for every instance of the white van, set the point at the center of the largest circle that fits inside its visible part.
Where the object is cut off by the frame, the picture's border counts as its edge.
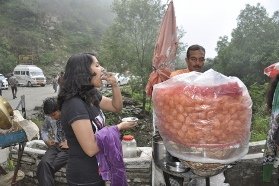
(29, 75)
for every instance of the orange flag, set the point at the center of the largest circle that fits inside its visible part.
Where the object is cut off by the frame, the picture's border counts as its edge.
(165, 50)
(272, 70)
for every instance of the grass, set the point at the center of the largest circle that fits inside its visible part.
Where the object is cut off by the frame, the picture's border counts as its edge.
(260, 127)
(38, 121)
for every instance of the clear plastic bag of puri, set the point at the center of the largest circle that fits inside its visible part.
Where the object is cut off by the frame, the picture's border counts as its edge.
(203, 117)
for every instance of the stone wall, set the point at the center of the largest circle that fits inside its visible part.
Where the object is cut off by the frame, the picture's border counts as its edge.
(246, 172)
(138, 169)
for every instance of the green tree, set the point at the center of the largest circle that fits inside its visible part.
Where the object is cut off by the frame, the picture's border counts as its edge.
(7, 60)
(254, 45)
(129, 43)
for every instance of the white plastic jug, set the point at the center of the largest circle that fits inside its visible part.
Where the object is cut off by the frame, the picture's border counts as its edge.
(129, 146)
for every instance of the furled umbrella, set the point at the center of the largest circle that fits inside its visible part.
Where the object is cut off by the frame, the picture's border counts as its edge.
(272, 70)
(165, 50)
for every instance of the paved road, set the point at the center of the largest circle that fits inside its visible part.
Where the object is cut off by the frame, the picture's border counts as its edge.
(34, 97)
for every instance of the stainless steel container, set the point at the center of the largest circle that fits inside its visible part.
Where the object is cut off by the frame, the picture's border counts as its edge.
(159, 151)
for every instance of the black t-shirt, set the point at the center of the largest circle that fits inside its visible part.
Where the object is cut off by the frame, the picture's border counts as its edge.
(80, 167)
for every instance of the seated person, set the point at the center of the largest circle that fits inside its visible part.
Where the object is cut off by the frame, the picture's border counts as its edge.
(56, 155)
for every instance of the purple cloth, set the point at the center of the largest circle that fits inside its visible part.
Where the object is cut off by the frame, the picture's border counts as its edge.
(110, 157)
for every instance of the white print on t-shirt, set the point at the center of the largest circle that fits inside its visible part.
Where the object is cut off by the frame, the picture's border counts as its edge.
(93, 123)
(100, 121)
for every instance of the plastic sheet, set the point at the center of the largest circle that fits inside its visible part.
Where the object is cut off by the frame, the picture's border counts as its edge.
(203, 117)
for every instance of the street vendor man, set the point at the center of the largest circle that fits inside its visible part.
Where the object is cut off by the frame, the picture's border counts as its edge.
(195, 58)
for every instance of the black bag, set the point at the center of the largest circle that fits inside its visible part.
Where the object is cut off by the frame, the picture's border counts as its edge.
(276, 133)
(276, 137)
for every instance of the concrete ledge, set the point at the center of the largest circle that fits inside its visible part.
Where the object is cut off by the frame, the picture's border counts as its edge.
(253, 156)
(256, 147)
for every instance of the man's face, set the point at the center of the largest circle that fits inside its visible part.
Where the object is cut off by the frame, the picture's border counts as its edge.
(55, 115)
(195, 61)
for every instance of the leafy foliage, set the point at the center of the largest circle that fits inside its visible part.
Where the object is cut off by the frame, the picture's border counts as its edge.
(129, 43)
(254, 45)
(260, 127)
(260, 118)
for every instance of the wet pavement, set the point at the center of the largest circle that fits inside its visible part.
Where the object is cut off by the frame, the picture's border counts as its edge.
(34, 97)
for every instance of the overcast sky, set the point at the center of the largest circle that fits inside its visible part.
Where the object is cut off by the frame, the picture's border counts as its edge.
(205, 21)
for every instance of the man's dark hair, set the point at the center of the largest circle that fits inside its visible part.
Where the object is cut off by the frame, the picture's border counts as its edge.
(193, 48)
(50, 105)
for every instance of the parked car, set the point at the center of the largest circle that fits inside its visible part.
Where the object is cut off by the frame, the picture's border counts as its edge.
(5, 84)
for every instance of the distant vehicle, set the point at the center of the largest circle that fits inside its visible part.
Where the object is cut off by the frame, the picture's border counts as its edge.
(5, 84)
(29, 75)
(8, 75)
(122, 79)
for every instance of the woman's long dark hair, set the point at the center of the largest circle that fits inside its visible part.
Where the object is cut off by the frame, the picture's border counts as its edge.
(76, 80)
(270, 93)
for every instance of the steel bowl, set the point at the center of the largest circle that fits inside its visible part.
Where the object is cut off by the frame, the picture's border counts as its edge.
(159, 151)
(176, 167)
(129, 119)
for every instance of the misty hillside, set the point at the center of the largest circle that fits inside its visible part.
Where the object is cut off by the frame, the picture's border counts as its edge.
(47, 32)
